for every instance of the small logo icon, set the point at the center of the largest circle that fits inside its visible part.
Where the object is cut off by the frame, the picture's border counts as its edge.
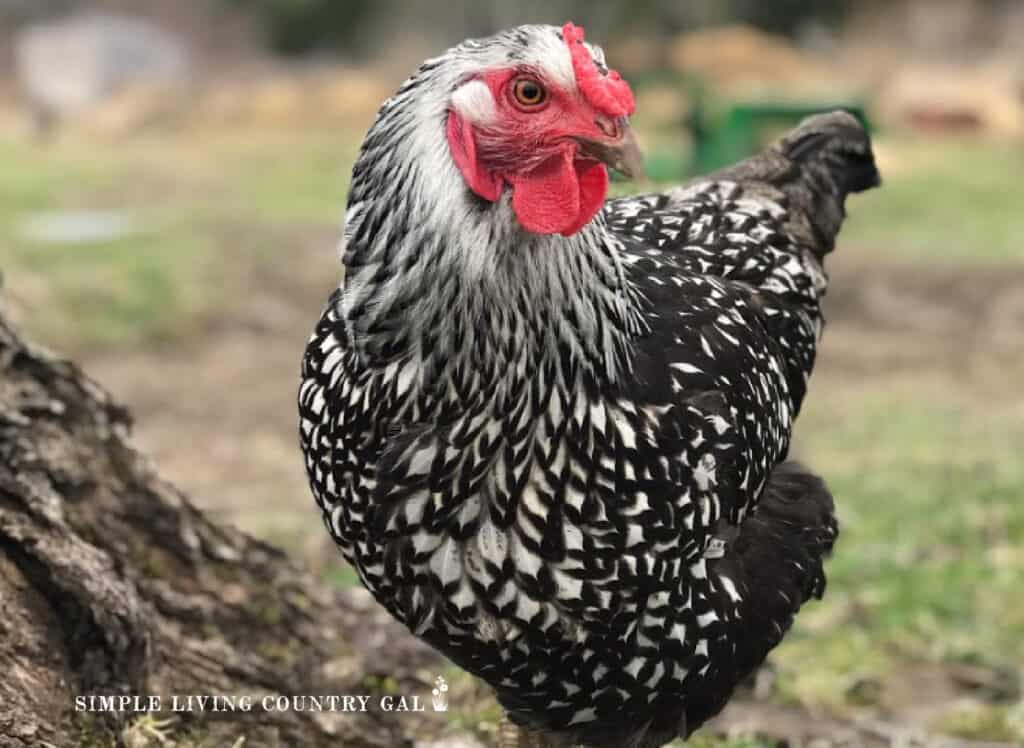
(440, 695)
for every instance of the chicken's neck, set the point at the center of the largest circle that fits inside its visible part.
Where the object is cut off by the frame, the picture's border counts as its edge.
(439, 277)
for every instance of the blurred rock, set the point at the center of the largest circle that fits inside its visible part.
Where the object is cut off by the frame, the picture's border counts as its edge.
(72, 67)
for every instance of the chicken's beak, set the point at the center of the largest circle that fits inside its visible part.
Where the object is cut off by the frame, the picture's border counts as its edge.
(621, 153)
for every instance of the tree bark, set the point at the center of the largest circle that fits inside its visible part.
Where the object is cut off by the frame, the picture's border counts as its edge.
(113, 583)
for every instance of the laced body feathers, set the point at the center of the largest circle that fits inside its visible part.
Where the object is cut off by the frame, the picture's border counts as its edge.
(545, 455)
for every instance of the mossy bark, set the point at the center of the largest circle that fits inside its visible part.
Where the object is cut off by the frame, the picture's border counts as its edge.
(112, 582)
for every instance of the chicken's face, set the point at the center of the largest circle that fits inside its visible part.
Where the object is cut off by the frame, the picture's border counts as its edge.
(546, 126)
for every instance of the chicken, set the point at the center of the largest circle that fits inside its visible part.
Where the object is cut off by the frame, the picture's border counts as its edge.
(550, 432)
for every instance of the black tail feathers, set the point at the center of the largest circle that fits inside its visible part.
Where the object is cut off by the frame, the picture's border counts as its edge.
(814, 167)
(838, 146)
(831, 157)
(773, 566)
(780, 553)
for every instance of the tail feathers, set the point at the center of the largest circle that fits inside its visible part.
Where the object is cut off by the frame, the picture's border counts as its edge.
(814, 167)
(780, 553)
(775, 564)
(831, 157)
(836, 149)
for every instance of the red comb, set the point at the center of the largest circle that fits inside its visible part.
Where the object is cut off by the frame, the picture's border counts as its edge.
(609, 94)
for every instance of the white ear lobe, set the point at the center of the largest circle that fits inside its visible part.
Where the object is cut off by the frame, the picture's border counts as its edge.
(474, 102)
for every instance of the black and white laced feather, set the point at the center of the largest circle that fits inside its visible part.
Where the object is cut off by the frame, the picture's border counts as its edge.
(560, 460)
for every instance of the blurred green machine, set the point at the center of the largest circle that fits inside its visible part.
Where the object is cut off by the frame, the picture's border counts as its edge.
(724, 132)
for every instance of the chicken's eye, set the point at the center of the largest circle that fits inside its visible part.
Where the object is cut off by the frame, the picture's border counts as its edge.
(528, 92)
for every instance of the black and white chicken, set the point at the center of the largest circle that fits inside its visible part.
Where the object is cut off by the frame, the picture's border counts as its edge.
(548, 431)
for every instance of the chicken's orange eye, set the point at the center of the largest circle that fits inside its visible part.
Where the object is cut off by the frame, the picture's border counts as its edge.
(528, 92)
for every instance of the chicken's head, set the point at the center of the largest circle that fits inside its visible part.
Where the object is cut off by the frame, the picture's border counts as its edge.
(544, 122)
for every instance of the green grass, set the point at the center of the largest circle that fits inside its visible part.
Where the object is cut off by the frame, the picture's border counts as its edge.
(341, 574)
(150, 287)
(929, 563)
(203, 206)
(984, 722)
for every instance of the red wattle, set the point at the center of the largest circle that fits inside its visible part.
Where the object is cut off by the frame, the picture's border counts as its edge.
(593, 181)
(463, 147)
(547, 199)
(561, 195)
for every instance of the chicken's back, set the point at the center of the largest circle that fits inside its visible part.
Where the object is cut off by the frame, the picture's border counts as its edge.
(730, 270)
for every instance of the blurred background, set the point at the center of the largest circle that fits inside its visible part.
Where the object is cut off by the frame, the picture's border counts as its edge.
(172, 181)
